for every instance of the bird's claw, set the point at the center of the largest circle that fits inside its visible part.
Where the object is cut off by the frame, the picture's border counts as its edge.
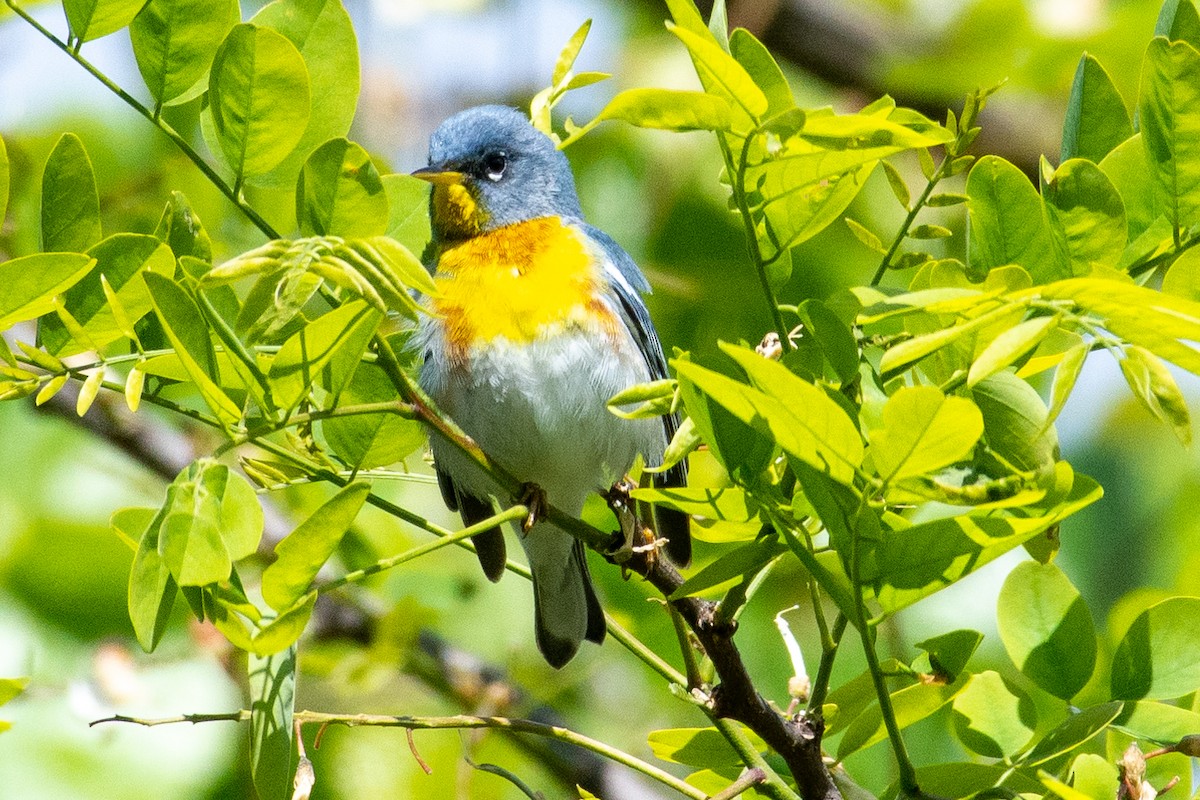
(533, 497)
(635, 536)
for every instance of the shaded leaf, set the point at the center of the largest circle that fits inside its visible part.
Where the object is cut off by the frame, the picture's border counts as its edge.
(909, 705)
(340, 193)
(1077, 729)
(272, 698)
(744, 561)
(1047, 629)
(1155, 386)
(993, 718)
(1159, 657)
(152, 590)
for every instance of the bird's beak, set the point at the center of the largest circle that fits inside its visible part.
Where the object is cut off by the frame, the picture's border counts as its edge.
(438, 176)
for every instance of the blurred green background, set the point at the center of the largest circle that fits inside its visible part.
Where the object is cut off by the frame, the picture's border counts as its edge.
(63, 574)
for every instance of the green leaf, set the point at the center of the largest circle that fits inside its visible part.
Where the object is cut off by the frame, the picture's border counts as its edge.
(823, 437)
(865, 236)
(1169, 117)
(1006, 221)
(1010, 347)
(929, 232)
(725, 504)
(662, 109)
(4, 179)
(324, 35)
(1155, 386)
(70, 203)
(11, 687)
(993, 718)
(1077, 729)
(723, 77)
(1183, 278)
(949, 653)
(272, 699)
(1178, 20)
(120, 259)
(923, 431)
(570, 52)
(1097, 119)
(283, 631)
(31, 283)
(1159, 722)
(1126, 167)
(910, 705)
(91, 19)
(174, 42)
(339, 193)
(1159, 657)
(1093, 775)
(651, 399)
(698, 747)
(182, 231)
(260, 99)
(301, 554)
(211, 519)
(1064, 378)
(1086, 217)
(307, 352)
(1047, 629)
(152, 590)
(408, 215)
(366, 441)
(911, 563)
(178, 314)
(1014, 422)
(743, 561)
(758, 62)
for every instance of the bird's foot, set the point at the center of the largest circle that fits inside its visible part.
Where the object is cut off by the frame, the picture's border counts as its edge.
(634, 537)
(533, 497)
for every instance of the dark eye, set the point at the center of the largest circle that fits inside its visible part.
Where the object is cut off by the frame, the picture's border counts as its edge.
(494, 165)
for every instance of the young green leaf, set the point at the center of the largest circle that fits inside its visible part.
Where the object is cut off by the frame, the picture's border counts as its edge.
(174, 42)
(949, 653)
(896, 181)
(88, 392)
(662, 109)
(302, 553)
(1014, 423)
(178, 313)
(52, 387)
(909, 706)
(698, 747)
(929, 232)
(651, 399)
(1097, 120)
(324, 34)
(1155, 386)
(260, 99)
(923, 431)
(1047, 629)
(212, 518)
(1010, 347)
(408, 211)
(1169, 117)
(1178, 20)
(272, 694)
(865, 236)
(339, 193)
(1064, 378)
(570, 52)
(70, 202)
(135, 382)
(366, 441)
(723, 77)
(92, 19)
(1078, 729)
(682, 444)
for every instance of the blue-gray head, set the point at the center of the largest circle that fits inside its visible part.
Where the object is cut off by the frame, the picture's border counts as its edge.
(489, 168)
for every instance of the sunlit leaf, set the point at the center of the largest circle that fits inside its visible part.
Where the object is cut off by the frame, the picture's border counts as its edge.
(4, 178)
(1010, 346)
(1047, 629)
(698, 747)
(1078, 728)
(31, 283)
(1169, 117)
(283, 631)
(174, 42)
(151, 588)
(340, 193)
(1097, 120)
(408, 213)
(1006, 221)
(992, 717)
(1155, 386)
(923, 431)
(1085, 216)
(722, 76)
(70, 203)
(909, 705)
(92, 19)
(307, 352)
(260, 98)
(745, 560)
(758, 62)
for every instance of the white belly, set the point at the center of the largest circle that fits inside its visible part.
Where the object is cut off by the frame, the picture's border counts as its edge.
(538, 409)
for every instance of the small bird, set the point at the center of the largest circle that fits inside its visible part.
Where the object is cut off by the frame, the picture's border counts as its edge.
(536, 323)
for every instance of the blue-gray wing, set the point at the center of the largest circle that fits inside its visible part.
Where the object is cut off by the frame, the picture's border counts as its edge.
(627, 284)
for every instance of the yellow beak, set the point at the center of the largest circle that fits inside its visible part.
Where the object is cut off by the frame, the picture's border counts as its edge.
(438, 177)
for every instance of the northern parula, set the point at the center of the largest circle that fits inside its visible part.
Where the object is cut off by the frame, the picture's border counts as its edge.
(536, 323)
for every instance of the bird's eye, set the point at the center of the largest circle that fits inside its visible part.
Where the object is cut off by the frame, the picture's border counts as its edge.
(494, 165)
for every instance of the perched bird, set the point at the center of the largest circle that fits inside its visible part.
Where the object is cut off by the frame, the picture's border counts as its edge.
(536, 323)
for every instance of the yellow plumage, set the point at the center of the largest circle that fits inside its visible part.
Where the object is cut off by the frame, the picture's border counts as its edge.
(518, 282)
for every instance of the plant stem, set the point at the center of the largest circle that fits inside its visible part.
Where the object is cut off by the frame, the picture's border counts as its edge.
(458, 722)
(155, 120)
(933, 181)
(508, 515)
(396, 407)
(829, 648)
(737, 175)
(771, 783)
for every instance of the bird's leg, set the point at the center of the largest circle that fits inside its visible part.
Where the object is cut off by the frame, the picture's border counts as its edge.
(636, 536)
(533, 497)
